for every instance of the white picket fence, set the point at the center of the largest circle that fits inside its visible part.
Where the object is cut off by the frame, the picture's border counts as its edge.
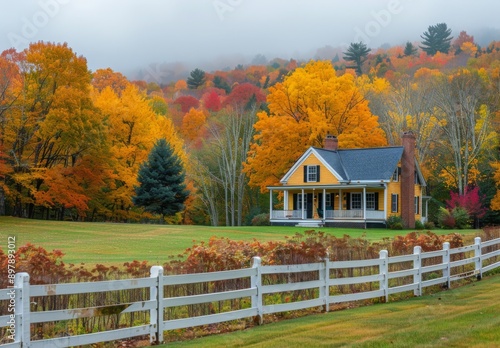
(475, 259)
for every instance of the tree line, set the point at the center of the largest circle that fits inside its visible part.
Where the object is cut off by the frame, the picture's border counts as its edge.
(73, 141)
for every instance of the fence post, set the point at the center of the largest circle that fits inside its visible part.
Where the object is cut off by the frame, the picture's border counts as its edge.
(22, 309)
(384, 272)
(417, 264)
(324, 291)
(478, 257)
(446, 260)
(156, 315)
(256, 282)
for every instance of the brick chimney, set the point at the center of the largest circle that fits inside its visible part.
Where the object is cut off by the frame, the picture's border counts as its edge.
(331, 142)
(408, 180)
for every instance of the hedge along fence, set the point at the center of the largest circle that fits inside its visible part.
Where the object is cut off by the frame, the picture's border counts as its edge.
(182, 301)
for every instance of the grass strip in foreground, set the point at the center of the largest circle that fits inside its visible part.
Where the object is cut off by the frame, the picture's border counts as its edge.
(467, 316)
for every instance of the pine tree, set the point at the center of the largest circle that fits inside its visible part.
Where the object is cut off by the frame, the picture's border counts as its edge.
(219, 82)
(357, 53)
(196, 79)
(436, 39)
(161, 178)
(410, 50)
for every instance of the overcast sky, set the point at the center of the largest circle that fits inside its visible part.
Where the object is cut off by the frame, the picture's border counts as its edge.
(128, 34)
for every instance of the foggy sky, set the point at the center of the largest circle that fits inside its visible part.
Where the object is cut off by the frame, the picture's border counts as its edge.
(130, 34)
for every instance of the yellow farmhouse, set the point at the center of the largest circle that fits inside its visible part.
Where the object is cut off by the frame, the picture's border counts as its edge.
(352, 187)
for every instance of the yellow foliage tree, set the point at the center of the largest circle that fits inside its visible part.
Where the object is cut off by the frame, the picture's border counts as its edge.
(133, 128)
(495, 202)
(309, 104)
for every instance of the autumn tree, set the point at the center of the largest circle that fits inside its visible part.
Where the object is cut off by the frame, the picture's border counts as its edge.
(10, 91)
(186, 102)
(180, 85)
(103, 78)
(49, 128)
(437, 38)
(462, 38)
(404, 106)
(133, 129)
(471, 201)
(192, 124)
(495, 202)
(196, 79)
(242, 94)
(311, 103)
(212, 101)
(357, 52)
(464, 113)
(161, 187)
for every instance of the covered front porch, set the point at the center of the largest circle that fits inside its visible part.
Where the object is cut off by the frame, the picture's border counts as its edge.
(331, 205)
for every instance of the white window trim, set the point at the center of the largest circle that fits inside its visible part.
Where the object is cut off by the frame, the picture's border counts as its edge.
(372, 194)
(360, 200)
(311, 176)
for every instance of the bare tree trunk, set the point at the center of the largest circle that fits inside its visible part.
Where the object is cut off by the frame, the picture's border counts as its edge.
(465, 119)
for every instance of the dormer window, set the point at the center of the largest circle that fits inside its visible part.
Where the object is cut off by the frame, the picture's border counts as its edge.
(311, 173)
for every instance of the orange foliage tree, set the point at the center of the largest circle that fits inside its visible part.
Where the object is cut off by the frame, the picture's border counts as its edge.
(310, 103)
(192, 124)
(48, 128)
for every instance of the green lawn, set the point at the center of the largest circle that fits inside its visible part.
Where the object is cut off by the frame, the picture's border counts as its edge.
(468, 316)
(115, 243)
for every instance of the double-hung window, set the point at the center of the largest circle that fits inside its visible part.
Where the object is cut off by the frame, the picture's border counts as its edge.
(370, 201)
(311, 173)
(356, 202)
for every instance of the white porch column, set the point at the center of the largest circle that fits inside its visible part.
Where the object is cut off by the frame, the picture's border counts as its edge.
(285, 200)
(324, 203)
(364, 205)
(340, 199)
(385, 201)
(303, 203)
(270, 203)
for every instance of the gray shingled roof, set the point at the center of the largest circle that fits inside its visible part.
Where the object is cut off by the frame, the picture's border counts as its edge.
(363, 164)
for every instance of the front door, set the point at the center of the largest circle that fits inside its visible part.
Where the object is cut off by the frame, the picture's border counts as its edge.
(308, 203)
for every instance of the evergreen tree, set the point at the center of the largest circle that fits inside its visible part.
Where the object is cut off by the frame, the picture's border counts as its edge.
(436, 39)
(410, 50)
(161, 187)
(357, 53)
(196, 79)
(219, 82)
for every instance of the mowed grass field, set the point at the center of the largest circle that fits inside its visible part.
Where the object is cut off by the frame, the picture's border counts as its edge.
(116, 243)
(467, 316)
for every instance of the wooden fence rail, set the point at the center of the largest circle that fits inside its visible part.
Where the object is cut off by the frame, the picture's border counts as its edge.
(326, 283)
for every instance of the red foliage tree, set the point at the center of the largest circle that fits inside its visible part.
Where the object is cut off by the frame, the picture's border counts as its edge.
(462, 37)
(242, 94)
(471, 201)
(186, 102)
(212, 101)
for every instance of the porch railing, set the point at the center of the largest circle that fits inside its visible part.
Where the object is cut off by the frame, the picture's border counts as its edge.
(331, 214)
(286, 214)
